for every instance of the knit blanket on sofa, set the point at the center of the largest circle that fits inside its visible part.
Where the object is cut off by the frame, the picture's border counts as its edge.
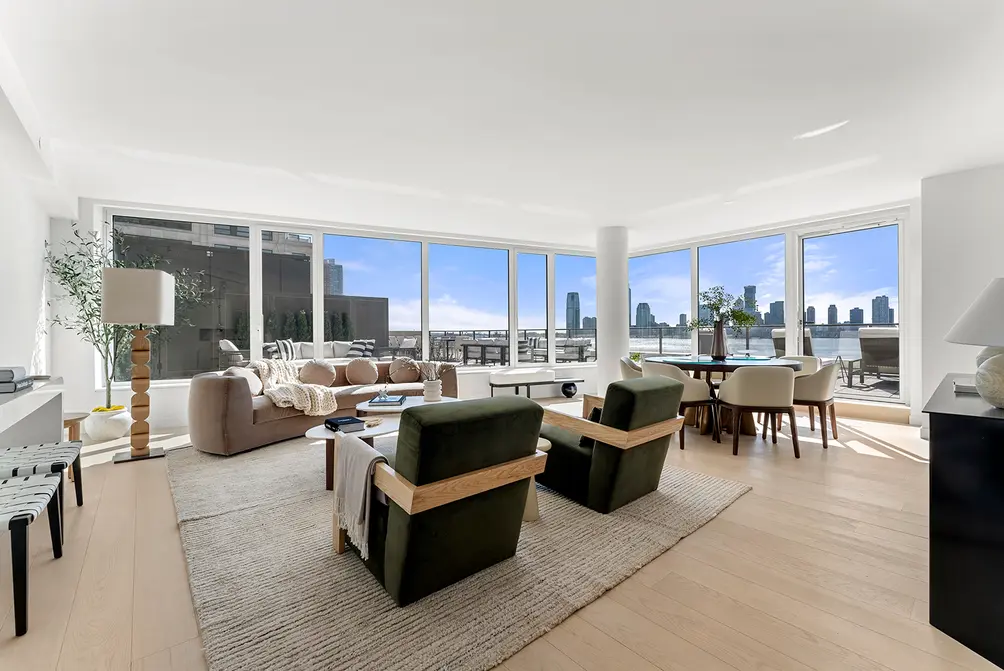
(282, 386)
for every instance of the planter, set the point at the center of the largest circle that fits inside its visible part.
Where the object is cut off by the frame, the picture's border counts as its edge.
(719, 351)
(433, 390)
(102, 426)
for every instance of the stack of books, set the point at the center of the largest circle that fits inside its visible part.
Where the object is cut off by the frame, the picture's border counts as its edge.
(14, 379)
(387, 400)
(344, 424)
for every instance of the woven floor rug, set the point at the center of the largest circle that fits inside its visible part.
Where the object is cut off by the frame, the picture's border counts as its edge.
(270, 593)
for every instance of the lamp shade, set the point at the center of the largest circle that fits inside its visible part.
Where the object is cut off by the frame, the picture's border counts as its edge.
(137, 296)
(983, 322)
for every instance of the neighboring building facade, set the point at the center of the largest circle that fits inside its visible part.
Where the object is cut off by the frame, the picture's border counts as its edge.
(643, 315)
(334, 278)
(810, 315)
(776, 314)
(857, 316)
(880, 310)
(683, 319)
(749, 298)
(589, 323)
(572, 313)
(831, 315)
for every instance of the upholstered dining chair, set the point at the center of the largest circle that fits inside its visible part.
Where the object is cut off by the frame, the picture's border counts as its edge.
(767, 389)
(810, 365)
(816, 391)
(617, 457)
(629, 368)
(696, 394)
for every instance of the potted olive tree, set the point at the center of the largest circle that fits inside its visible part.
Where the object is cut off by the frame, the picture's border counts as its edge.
(74, 271)
(724, 312)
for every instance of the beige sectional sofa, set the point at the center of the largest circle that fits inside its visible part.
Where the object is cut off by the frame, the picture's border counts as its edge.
(224, 418)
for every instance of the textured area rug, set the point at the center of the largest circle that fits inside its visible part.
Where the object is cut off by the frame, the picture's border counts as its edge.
(270, 593)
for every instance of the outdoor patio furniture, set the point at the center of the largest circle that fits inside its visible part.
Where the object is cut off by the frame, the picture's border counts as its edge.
(630, 368)
(879, 351)
(777, 335)
(231, 355)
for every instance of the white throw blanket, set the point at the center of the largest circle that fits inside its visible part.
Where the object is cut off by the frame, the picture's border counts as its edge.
(282, 385)
(353, 487)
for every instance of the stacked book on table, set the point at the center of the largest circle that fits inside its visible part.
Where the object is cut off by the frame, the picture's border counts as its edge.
(14, 379)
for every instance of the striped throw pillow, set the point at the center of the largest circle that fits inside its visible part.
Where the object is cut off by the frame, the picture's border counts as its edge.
(370, 348)
(357, 349)
(286, 351)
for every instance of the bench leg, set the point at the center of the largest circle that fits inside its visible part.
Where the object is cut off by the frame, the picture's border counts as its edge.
(19, 566)
(78, 483)
(55, 527)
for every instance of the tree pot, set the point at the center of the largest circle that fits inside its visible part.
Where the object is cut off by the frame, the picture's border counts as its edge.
(719, 351)
(102, 426)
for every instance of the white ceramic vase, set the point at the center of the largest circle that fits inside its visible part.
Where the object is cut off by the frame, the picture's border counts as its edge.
(990, 380)
(102, 426)
(433, 390)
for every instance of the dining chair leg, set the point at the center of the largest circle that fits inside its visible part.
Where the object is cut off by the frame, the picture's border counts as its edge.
(759, 418)
(773, 427)
(794, 432)
(682, 433)
(716, 423)
(735, 430)
(822, 423)
(833, 420)
(812, 418)
(764, 436)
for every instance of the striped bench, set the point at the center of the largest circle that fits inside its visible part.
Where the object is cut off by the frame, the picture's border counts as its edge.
(22, 499)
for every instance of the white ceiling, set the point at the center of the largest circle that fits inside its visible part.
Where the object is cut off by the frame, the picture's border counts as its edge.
(533, 119)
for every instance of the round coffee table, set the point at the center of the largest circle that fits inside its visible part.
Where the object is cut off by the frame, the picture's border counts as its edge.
(364, 408)
(387, 426)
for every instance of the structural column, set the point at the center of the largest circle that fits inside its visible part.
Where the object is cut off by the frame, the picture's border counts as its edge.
(612, 307)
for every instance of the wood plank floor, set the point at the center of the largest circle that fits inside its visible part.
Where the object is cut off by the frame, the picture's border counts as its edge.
(823, 566)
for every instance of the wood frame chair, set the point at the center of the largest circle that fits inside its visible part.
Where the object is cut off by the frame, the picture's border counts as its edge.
(625, 440)
(418, 499)
(773, 385)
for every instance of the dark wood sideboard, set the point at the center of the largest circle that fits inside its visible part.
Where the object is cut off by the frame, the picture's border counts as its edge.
(967, 519)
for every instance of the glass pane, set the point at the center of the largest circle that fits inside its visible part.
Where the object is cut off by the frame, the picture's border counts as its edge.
(575, 308)
(752, 275)
(469, 305)
(851, 295)
(212, 328)
(659, 303)
(287, 305)
(373, 291)
(531, 320)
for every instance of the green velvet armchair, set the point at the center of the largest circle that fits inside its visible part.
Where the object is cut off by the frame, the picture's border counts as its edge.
(609, 463)
(456, 488)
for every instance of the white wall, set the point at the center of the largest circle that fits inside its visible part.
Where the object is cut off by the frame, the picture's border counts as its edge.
(963, 249)
(24, 226)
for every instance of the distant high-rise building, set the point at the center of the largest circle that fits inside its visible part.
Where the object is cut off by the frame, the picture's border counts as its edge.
(630, 311)
(880, 310)
(704, 313)
(892, 316)
(749, 298)
(738, 305)
(683, 319)
(589, 322)
(777, 312)
(643, 315)
(572, 313)
(831, 315)
(857, 316)
(334, 279)
(810, 315)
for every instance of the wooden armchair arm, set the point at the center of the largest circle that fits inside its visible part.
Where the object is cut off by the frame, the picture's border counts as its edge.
(589, 402)
(605, 434)
(414, 500)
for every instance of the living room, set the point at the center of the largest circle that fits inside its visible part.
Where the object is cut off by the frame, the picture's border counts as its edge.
(451, 336)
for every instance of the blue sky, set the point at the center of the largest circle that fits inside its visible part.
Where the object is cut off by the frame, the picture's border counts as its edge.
(468, 286)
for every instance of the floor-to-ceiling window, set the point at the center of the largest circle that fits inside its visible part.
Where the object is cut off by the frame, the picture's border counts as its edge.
(531, 301)
(752, 274)
(469, 305)
(373, 291)
(659, 297)
(850, 287)
(287, 297)
(210, 265)
(575, 308)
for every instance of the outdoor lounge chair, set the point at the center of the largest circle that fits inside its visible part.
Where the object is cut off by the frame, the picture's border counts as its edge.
(879, 350)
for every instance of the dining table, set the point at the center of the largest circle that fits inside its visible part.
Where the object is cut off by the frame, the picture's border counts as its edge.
(704, 364)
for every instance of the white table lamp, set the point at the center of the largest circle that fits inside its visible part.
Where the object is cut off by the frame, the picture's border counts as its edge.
(983, 324)
(138, 297)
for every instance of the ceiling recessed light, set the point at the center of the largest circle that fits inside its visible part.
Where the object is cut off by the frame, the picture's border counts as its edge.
(823, 130)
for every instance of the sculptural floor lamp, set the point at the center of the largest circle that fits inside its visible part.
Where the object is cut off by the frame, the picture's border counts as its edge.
(141, 298)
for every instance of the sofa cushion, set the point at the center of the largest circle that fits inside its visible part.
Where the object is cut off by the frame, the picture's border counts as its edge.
(264, 410)
(594, 416)
(362, 371)
(254, 382)
(404, 370)
(339, 348)
(317, 372)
